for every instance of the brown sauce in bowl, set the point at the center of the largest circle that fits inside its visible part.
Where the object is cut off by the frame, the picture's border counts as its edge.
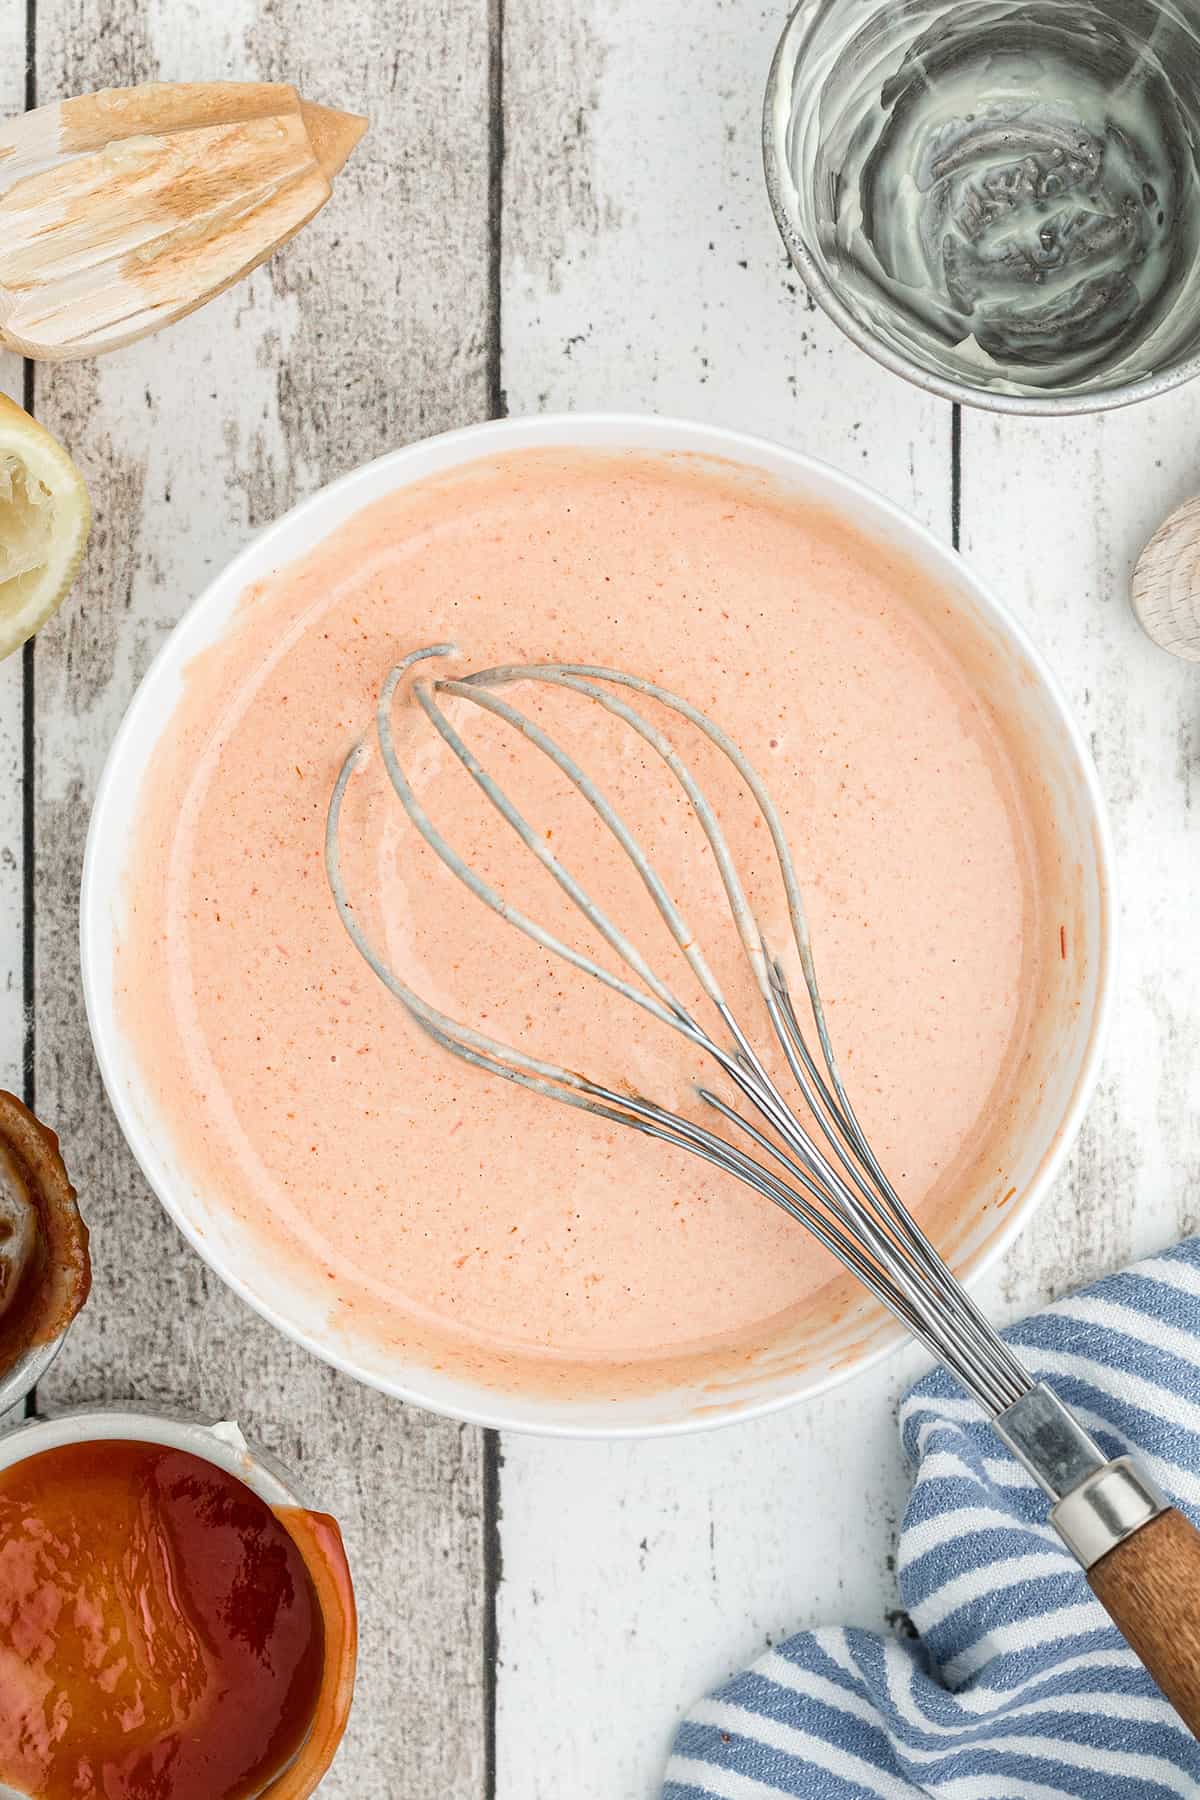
(162, 1636)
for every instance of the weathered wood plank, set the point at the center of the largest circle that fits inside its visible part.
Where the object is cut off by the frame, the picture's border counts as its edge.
(370, 329)
(12, 791)
(1087, 494)
(642, 270)
(641, 263)
(12, 910)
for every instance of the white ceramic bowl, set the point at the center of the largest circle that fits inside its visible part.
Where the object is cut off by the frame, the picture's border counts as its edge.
(1018, 685)
(27, 1371)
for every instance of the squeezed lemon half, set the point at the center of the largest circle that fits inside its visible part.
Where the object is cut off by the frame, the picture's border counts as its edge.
(45, 514)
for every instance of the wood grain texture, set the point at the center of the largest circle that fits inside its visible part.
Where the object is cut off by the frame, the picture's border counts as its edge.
(642, 269)
(1165, 586)
(213, 177)
(12, 794)
(1054, 514)
(370, 329)
(1150, 1588)
(12, 909)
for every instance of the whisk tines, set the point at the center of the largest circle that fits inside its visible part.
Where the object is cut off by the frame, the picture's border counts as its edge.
(815, 1162)
(812, 1159)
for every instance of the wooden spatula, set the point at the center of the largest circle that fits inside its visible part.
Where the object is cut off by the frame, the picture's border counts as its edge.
(120, 211)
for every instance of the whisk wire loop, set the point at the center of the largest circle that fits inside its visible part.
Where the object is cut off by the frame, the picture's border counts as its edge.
(831, 1180)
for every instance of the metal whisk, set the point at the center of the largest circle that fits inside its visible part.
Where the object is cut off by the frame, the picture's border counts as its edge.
(818, 1168)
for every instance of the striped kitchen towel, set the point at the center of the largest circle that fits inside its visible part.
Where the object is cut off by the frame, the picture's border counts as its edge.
(1016, 1686)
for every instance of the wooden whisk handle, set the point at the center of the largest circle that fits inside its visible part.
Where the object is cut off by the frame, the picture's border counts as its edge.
(1141, 1556)
(1149, 1586)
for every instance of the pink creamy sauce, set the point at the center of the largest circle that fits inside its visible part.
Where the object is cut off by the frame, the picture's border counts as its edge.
(440, 1210)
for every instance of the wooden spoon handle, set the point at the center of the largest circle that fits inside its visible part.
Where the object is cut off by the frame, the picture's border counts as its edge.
(1150, 1588)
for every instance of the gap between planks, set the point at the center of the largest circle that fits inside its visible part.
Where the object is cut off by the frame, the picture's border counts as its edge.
(28, 742)
(426, 1707)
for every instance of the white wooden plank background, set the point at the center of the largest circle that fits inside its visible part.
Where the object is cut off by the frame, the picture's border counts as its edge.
(373, 329)
(620, 255)
(12, 675)
(655, 278)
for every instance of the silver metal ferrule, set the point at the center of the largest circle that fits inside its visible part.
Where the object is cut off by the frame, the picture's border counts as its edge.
(1106, 1509)
(1097, 1503)
(1050, 1441)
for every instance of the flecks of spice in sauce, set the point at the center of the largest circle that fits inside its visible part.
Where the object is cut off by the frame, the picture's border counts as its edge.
(161, 1636)
(303, 1102)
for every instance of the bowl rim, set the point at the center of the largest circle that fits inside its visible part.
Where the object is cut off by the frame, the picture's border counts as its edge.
(827, 297)
(220, 1442)
(19, 1381)
(449, 450)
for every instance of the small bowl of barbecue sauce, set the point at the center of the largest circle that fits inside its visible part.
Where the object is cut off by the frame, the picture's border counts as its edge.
(174, 1623)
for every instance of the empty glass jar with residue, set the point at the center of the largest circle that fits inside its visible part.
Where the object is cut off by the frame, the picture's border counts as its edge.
(999, 199)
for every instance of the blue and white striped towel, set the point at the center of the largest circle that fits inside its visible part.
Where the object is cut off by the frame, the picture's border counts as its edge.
(1017, 1687)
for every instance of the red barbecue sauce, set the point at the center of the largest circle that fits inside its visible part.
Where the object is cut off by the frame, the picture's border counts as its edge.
(161, 1637)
